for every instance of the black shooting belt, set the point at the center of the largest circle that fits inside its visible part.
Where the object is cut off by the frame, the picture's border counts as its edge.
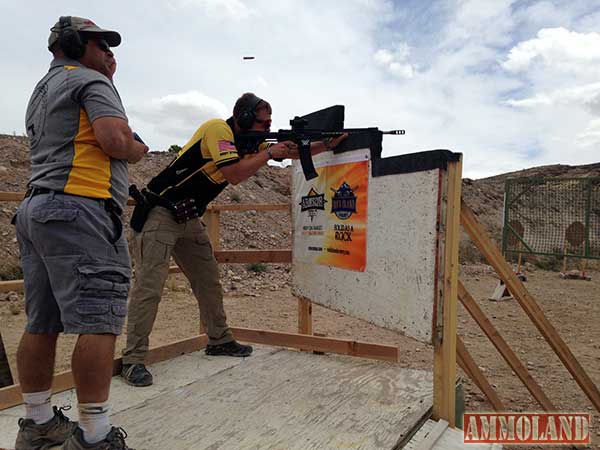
(182, 210)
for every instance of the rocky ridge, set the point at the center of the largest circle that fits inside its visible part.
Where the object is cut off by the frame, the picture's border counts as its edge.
(258, 230)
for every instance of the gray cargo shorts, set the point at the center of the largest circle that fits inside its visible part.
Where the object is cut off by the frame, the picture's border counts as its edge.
(76, 265)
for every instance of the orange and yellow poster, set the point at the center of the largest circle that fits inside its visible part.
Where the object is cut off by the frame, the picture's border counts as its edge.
(331, 215)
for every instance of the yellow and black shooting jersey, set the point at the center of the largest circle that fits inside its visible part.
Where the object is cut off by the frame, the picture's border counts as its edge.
(195, 173)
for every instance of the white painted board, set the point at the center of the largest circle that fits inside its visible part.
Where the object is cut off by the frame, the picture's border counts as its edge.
(397, 288)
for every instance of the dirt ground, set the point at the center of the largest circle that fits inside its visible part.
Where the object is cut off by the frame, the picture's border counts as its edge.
(264, 300)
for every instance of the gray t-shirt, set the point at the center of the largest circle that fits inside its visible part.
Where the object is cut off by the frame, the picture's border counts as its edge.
(65, 155)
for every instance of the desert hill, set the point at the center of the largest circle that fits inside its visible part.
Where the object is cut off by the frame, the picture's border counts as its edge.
(270, 185)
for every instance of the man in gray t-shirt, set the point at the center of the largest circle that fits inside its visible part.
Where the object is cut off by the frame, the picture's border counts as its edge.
(74, 255)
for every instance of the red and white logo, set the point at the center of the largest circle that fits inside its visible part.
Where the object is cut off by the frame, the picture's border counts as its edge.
(527, 428)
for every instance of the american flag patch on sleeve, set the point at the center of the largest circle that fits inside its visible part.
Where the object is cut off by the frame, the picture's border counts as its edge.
(226, 146)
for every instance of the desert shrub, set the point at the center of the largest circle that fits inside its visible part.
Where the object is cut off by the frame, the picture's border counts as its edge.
(551, 263)
(256, 267)
(11, 273)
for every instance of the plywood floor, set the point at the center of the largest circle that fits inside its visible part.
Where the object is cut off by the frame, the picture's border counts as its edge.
(276, 399)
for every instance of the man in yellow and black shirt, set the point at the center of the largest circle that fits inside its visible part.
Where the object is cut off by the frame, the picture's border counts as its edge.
(201, 170)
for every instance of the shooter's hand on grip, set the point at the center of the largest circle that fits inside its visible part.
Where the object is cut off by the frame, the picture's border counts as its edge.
(283, 150)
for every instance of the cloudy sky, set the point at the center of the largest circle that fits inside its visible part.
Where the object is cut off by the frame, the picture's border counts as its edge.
(510, 84)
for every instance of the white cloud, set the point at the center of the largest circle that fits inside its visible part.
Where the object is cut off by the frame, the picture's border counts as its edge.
(222, 9)
(587, 95)
(402, 70)
(177, 116)
(545, 12)
(480, 23)
(591, 135)
(383, 57)
(395, 61)
(557, 48)
(262, 83)
(441, 70)
(559, 97)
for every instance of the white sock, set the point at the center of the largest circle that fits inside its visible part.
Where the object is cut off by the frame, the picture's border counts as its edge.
(93, 421)
(38, 407)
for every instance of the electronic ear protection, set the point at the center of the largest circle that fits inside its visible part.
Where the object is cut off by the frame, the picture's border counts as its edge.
(247, 117)
(69, 39)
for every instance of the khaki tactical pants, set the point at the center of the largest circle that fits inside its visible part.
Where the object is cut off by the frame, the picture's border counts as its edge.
(191, 248)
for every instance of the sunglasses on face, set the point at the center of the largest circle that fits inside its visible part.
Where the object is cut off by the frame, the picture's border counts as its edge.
(103, 45)
(263, 121)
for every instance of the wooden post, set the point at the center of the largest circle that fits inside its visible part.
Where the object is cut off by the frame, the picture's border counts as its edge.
(493, 255)
(304, 316)
(6, 378)
(502, 346)
(212, 220)
(444, 379)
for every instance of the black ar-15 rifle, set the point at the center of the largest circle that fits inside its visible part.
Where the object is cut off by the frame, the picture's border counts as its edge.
(248, 141)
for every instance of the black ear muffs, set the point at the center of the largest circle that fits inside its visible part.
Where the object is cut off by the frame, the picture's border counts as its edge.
(247, 117)
(69, 39)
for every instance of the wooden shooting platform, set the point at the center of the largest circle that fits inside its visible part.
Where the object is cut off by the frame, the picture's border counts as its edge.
(352, 395)
(275, 399)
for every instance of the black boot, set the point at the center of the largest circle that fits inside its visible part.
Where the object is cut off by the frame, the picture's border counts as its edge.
(136, 375)
(231, 348)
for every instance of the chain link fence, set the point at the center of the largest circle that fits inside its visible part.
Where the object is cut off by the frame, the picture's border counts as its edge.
(552, 216)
